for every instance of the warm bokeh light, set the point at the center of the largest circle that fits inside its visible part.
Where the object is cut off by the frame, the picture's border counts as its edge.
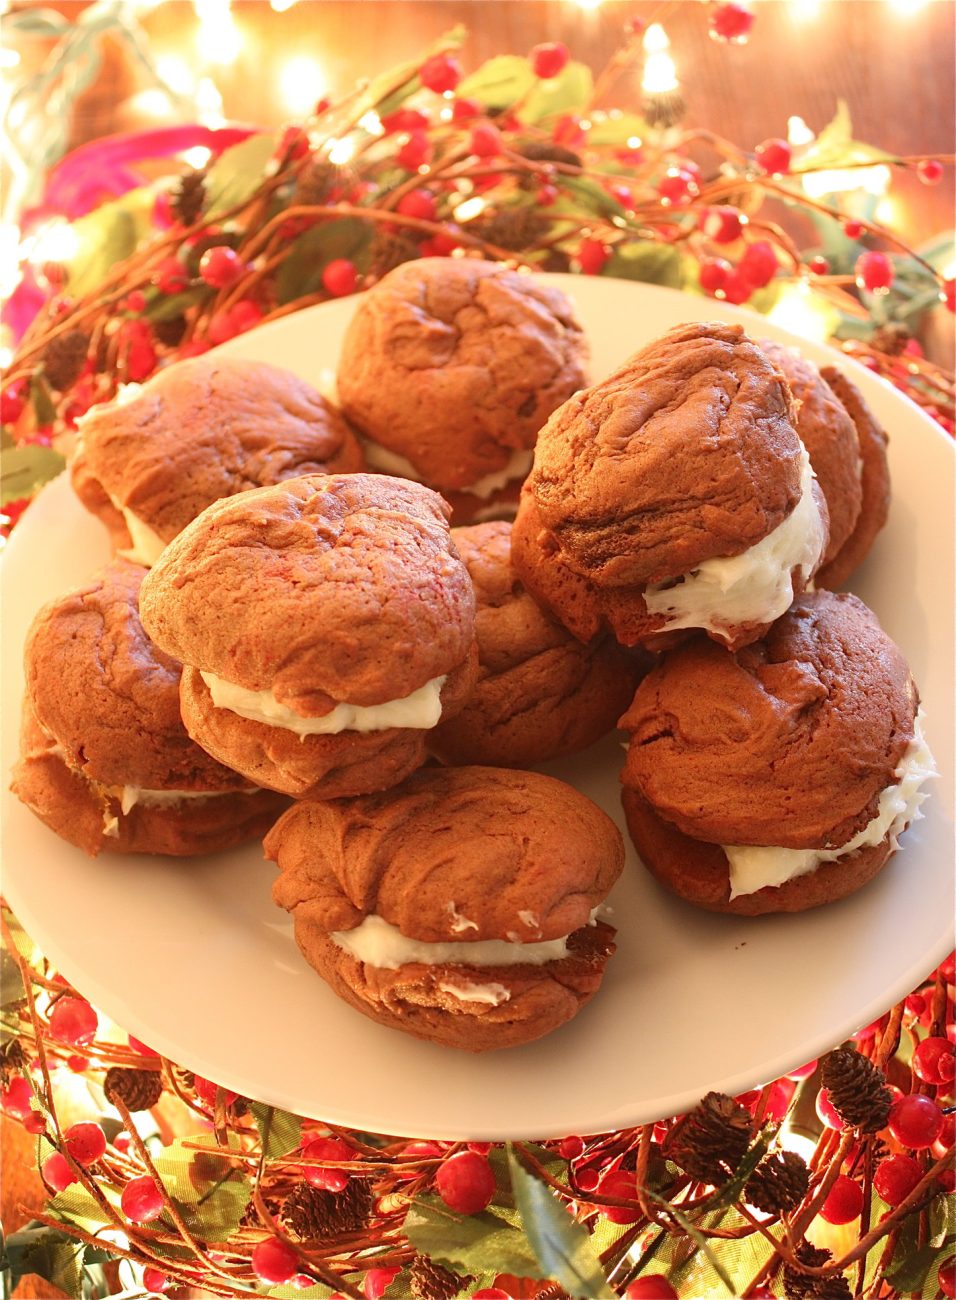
(801, 311)
(54, 241)
(660, 74)
(176, 73)
(341, 151)
(873, 180)
(302, 84)
(798, 133)
(209, 103)
(804, 11)
(217, 39)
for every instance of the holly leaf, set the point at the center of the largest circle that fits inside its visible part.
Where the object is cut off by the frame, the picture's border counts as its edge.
(44, 412)
(389, 90)
(77, 1205)
(211, 1191)
(591, 195)
(469, 1243)
(562, 1246)
(910, 1273)
(648, 261)
(106, 236)
(11, 981)
(835, 146)
(25, 469)
(45, 1252)
(172, 305)
(569, 92)
(500, 82)
(616, 128)
(301, 272)
(279, 1131)
(237, 173)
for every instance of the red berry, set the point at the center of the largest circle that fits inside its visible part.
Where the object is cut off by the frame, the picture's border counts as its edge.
(137, 1046)
(569, 131)
(340, 277)
(490, 1293)
(895, 1177)
(17, 1099)
(773, 157)
(135, 301)
(930, 171)
(934, 1060)
(480, 1148)
(826, 1113)
(11, 406)
(622, 1184)
(245, 315)
(466, 1183)
(946, 1179)
(593, 255)
(206, 1091)
(326, 1148)
(571, 1147)
(946, 1139)
(154, 1281)
(56, 1172)
(947, 1276)
(465, 109)
(86, 1143)
(34, 1122)
(274, 1261)
(162, 214)
(547, 193)
(713, 274)
(844, 1201)
(293, 143)
(415, 152)
(731, 22)
(737, 289)
(678, 185)
(587, 1179)
(406, 119)
(485, 141)
(170, 276)
(221, 266)
(915, 1121)
(549, 59)
(852, 229)
(759, 263)
(947, 968)
(73, 1020)
(376, 1281)
(819, 266)
(441, 73)
(874, 272)
(653, 1286)
(141, 1200)
(948, 294)
(723, 225)
(418, 203)
(122, 1142)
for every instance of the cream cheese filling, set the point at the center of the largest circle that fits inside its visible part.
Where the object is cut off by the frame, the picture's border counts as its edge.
(147, 546)
(418, 711)
(517, 466)
(754, 867)
(131, 795)
(754, 587)
(492, 994)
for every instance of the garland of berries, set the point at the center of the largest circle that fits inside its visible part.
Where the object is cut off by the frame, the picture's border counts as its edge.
(323, 1206)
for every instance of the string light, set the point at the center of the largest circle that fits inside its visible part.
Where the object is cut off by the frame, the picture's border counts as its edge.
(341, 151)
(798, 133)
(371, 123)
(9, 58)
(301, 83)
(54, 241)
(209, 103)
(589, 6)
(468, 209)
(803, 312)
(280, 6)
(804, 11)
(197, 157)
(907, 7)
(217, 39)
(176, 73)
(873, 180)
(660, 75)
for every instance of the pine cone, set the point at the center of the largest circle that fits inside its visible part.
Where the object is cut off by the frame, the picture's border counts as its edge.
(513, 229)
(555, 260)
(188, 196)
(312, 1212)
(857, 1089)
(317, 182)
(779, 1183)
(389, 251)
(663, 110)
(136, 1089)
(548, 151)
(711, 1141)
(798, 1285)
(170, 332)
(64, 358)
(12, 1060)
(892, 338)
(432, 1282)
(250, 1215)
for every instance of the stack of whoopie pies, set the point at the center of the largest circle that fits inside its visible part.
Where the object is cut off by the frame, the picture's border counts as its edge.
(315, 637)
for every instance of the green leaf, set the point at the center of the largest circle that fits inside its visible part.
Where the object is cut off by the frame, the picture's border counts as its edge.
(45, 1252)
(27, 468)
(289, 1292)
(76, 1205)
(561, 1244)
(301, 272)
(911, 1272)
(835, 147)
(389, 90)
(11, 981)
(500, 82)
(616, 128)
(469, 1243)
(237, 173)
(593, 196)
(569, 92)
(279, 1131)
(211, 1191)
(43, 409)
(107, 236)
(170, 306)
(648, 261)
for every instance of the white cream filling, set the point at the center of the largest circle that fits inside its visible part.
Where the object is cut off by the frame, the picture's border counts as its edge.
(376, 942)
(419, 711)
(492, 994)
(134, 794)
(458, 923)
(147, 546)
(754, 867)
(755, 587)
(390, 462)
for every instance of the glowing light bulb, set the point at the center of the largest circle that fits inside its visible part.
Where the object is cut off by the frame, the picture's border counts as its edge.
(176, 73)
(874, 180)
(907, 7)
(9, 58)
(798, 133)
(209, 103)
(9, 258)
(217, 39)
(197, 157)
(468, 209)
(804, 11)
(54, 241)
(372, 123)
(280, 6)
(660, 75)
(589, 5)
(301, 83)
(801, 311)
(341, 151)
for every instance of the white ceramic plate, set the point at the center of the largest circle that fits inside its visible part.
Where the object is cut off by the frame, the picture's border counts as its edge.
(193, 958)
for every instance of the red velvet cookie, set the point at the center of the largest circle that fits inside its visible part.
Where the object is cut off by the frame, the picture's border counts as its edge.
(777, 778)
(326, 624)
(105, 760)
(675, 494)
(151, 460)
(459, 907)
(540, 693)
